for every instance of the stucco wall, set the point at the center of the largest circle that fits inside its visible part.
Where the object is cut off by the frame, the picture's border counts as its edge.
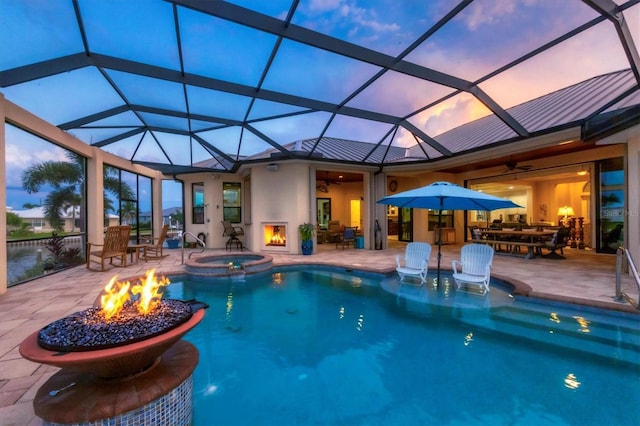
(283, 195)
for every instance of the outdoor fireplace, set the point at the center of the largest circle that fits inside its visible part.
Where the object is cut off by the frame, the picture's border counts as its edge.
(274, 236)
(121, 361)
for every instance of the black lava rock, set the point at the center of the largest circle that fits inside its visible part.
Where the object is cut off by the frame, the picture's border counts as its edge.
(89, 330)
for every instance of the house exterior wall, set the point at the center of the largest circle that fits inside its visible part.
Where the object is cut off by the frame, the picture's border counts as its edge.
(283, 195)
(212, 227)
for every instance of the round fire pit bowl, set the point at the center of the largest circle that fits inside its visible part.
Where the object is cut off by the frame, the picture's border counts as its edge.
(112, 363)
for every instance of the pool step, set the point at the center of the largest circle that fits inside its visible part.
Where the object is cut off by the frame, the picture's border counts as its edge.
(616, 337)
(597, 332)
(347, 278)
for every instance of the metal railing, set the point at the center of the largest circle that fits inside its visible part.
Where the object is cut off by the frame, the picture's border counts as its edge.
(621, 295)
(201, 243)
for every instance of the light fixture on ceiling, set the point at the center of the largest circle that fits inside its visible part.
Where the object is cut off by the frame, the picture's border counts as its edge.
(582, 171)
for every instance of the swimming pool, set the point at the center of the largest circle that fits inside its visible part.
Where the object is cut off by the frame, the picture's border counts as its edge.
(328, 346)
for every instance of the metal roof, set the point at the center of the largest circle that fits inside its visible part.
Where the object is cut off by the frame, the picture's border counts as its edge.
(187, 85)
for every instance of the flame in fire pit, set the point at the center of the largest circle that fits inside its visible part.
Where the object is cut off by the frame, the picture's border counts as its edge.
(149, 291)
(117, 293)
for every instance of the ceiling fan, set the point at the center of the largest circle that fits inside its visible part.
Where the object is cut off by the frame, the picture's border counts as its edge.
(513, 166)
(323, 185)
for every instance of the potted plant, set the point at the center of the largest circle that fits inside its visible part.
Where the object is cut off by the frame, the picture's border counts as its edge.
(306, 231)
(174, 241)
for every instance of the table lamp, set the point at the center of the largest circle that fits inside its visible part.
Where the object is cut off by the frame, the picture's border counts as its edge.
(565, 212)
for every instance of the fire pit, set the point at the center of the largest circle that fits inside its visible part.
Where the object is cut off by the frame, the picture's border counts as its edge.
(118, 362)
(87, 330)
(117, 348)
(118, 339)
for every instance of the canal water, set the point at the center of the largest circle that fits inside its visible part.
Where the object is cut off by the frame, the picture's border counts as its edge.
(23, 256)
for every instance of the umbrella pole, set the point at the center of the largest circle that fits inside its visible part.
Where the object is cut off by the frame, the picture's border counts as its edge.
(439, 244)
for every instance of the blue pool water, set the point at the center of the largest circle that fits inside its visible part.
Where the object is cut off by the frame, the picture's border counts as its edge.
(324, 347)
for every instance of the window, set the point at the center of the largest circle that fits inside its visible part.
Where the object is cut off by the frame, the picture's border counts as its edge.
(447, 219)
(127, 200)
(56, 180)
(198, 202)
(231, 202)
(36, 223)
(247, 200)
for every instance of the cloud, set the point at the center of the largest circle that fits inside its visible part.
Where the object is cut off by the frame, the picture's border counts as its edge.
(452, 113)
(26, 152)
(571, 62)
(368, 18)
(320, 6)
(346, 18)
(487, 12)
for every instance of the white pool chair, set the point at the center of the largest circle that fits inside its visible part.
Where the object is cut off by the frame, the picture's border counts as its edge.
(415, 261)
(474, 266)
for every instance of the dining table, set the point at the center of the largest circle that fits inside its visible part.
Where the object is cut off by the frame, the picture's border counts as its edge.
(531, 238)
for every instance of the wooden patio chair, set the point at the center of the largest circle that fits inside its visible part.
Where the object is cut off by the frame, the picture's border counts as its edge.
(153, 250)
(115, 244)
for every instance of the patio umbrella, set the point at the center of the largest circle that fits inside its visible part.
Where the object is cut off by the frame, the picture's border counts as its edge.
(446, 196)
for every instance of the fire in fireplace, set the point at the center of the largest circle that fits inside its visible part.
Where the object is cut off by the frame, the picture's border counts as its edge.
(275, 235)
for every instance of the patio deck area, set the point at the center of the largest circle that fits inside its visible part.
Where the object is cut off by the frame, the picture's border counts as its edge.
(584, 277)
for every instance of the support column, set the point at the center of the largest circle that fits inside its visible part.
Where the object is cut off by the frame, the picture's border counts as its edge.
(95, 197)
(3, 203)
(156, 204)
(380, 210)
(633, 197)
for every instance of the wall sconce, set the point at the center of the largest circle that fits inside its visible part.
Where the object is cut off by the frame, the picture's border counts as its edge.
(565, 212)
(273, 167)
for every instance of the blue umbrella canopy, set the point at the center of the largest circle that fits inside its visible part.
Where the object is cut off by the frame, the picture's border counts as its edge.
(446, 196)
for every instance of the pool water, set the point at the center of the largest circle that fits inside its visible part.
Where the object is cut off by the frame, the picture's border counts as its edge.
(306, 347)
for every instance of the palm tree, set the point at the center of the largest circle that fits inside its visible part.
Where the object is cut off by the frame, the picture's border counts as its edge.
(68, 181)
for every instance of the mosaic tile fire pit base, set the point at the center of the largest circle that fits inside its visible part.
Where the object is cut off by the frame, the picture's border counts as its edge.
(162, 396)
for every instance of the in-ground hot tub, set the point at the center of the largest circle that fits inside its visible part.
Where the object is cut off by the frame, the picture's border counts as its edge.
(220, 265)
